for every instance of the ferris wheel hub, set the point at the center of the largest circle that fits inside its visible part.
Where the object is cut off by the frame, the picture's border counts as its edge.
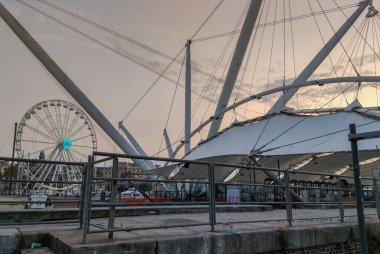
(67, 143)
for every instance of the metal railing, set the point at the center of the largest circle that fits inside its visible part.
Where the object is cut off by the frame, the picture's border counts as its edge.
(289, 196)
(280, 192)
(31, 182)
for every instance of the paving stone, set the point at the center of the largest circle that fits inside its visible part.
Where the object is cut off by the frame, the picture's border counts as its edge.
(10, 241)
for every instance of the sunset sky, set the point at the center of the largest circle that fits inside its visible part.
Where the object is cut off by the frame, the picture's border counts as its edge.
(115, 84)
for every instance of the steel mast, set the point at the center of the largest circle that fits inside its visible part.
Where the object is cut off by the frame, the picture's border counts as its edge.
(188, 98)
(319, 58)
(237, 59)
(69, 85)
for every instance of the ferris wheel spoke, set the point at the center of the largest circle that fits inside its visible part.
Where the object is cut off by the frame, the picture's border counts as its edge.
(79, 153)
(64, 168)
(83, 146)
(51, 120)
(45, 171)
(69, 168)
(35, 173)
(78, 171)
(39, 151)
(56, 167)
(77, 131)
(73, 157)
(49, 157)
(59, 121)
(90, 135)
(38, 141)
(66, 121)
(72, 124)
(43, 124)
(41, 133)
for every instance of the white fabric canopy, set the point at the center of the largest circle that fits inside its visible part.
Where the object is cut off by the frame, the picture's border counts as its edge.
(286, 134)
(287, 139)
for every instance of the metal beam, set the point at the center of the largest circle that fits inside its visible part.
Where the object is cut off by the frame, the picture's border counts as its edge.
(236, 62)
(319, 58)
(68, 84)
(188, 98)
(358, 191)
(363, 136)
(168, 144)
(135, 144)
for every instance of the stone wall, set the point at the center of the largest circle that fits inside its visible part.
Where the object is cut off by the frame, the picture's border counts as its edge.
(342, 248)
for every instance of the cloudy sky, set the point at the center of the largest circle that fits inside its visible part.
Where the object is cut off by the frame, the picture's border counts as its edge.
(114, 83)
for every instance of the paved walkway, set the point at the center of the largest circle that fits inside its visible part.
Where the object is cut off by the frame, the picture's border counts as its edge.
(237, 220)
(136, 235)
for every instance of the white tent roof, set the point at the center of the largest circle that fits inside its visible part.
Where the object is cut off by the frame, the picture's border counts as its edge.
(286, 134)
(287, 139)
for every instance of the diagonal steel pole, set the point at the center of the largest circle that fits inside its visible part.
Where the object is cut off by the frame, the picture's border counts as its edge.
(68, 84)
(236, 62)
(319, 58)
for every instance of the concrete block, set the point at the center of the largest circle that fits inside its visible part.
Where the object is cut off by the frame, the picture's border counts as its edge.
(298, 238)
(224, 243)
(43, 250)
(331, 234)
(137, 247)
(260, 241)
(185, 245)
(10, 241)
(34, 237)
(354, 232)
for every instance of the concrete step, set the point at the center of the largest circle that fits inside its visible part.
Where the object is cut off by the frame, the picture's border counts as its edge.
(42, 250)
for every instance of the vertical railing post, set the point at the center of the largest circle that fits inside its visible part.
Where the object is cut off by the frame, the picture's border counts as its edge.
(376, 193)
(288, 198)
(111, 219)
(358, 191)
(211, 192)
(340, 198)
(87, 200)
(82, 195)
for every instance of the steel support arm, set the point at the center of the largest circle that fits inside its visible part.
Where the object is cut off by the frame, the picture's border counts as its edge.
(236, 62)
(168, 144)
(319, 58)
(68, 84)
(135, 144)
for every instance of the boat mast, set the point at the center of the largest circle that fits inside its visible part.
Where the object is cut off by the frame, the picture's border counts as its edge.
(69, 85)
(236, 62)
(320, 57)
(188, 98)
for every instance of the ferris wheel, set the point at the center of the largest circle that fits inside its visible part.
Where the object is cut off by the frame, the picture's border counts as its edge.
(54, 130)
